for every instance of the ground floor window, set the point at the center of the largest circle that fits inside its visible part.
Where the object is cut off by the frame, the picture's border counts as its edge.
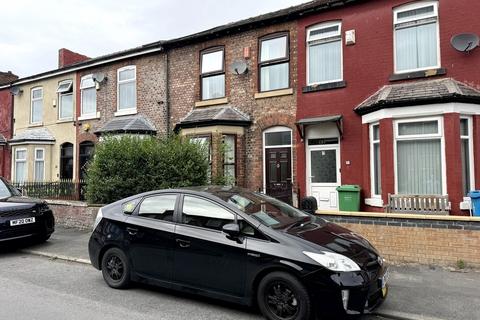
(419, 156)
(376, 174)
(205, 142)
(20, 165)
(39, 168)
(466, 154)
(229, 158)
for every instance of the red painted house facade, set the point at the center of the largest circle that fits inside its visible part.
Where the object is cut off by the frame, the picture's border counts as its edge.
(385, 102)
(6, 111)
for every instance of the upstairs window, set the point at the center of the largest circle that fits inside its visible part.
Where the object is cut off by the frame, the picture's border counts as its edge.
(65, 100)
(416, 37)
(126, 88)
(213, 73)
(324, 53)
(88, 96)
(36, 107)
(274, 62)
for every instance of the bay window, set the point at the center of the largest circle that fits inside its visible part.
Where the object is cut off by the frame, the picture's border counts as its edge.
(466, 146)
(213, 73)
(375, 169)
(419, 156)
(39, 168)
(416, 36)
(205, 143)
(324, 53)
(20, 165)
(229, 165)
(88, 97)
(274, 62)
(126, 89)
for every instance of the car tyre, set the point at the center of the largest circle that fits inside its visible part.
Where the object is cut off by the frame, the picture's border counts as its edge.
(116, 268)
(280, 296)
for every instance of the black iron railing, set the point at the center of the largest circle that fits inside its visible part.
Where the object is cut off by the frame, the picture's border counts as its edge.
(60, 190)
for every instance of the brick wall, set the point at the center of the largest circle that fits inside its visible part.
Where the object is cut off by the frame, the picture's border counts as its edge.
(73, 214)
(151, 94)
(5, 130)
(184, 90)
(424, 241)
(67, 57)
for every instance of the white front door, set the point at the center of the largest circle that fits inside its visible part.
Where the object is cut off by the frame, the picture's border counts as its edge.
(323, 170)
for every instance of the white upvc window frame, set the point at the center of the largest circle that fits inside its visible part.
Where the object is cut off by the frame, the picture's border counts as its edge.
(35, 164)
(67, 91)
(330, 37)
(17, 160)
(85, 87)
(406, 22)
(34, 100)
(439, 135)
(373, 142)
(470, 152)
(133, 109)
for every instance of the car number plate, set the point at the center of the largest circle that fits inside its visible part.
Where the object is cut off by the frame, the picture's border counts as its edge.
(18, 222)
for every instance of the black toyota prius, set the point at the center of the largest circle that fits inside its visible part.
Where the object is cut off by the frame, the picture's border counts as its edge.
(23, 217)
(240, 246)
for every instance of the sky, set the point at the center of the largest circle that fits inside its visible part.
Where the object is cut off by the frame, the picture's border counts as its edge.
(32, 31)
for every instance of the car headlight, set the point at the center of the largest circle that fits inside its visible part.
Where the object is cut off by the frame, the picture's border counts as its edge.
(98, 219)
(333, 261)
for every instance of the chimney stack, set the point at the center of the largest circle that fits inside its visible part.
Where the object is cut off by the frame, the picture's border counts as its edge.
(67, 57)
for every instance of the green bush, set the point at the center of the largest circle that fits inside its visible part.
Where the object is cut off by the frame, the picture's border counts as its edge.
(129, 165)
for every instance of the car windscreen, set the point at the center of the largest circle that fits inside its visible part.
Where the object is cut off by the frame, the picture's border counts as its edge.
(6, 190)
(267, 210)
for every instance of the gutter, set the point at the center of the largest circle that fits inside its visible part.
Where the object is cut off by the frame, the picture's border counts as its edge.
(84, 65)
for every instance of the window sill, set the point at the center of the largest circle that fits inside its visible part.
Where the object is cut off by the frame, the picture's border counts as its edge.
(374, 202)
(125, 112)
(33, 125)
(211, 102)
(89, 116)
(65, 120)
(418, 74)
(274, 93)
(324, 86)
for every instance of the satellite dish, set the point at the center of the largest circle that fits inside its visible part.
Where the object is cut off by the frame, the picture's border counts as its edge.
(465, 42)
(99, 77)
(16, 91)
(239, 67)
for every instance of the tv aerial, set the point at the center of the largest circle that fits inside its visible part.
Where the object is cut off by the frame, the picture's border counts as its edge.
(239, 67)
(465, 42)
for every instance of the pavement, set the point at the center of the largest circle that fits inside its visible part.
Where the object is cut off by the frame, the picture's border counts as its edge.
(416, 292)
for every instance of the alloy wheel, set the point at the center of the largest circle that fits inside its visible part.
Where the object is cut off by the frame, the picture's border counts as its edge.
(281, 300)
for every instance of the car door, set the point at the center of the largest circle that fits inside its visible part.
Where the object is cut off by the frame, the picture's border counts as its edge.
(204, 257)
(150, 233)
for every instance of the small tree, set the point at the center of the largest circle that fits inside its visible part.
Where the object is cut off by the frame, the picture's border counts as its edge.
(129, 165)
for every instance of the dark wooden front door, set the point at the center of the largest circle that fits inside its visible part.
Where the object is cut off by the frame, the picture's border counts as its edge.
(279, 173)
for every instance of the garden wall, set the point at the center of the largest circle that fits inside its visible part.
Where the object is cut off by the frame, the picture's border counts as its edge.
(74, 214)
(406, 238)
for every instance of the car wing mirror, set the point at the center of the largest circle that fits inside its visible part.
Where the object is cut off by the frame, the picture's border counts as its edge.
(232, 230)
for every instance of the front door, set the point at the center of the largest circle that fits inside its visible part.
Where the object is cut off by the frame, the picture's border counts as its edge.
(279, 173)
(324, 175)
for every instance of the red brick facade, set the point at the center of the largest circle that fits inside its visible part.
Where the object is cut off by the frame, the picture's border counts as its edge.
(367, 66)
(150, 92)
(240, 90)
(6, 114)
(67, 57)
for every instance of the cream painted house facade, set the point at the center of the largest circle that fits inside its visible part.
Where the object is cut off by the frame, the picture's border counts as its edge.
(43, 142)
